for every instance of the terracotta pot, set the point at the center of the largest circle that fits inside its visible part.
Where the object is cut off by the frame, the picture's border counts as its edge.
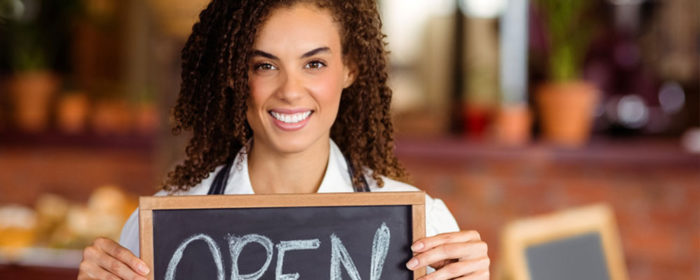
(512, 125)
(32, 93)
(566, 112)
(73, 112)
(147, 119)
(112, 117)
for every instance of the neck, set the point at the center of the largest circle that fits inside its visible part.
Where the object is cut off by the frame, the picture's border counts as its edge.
(274, 172)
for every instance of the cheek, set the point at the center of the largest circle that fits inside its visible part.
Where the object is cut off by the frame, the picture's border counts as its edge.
(255, 101)
(328, 88)
(257, 94)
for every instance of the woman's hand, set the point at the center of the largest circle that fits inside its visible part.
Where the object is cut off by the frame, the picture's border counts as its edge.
(105, 259)
(454, 255)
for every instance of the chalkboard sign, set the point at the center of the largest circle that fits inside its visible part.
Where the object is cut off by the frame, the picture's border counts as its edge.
(576, 244)
(579, 257)
(289, 236)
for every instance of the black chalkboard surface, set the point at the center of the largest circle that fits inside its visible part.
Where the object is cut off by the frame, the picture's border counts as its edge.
(312, 236)
(579, 257)
(575, 243)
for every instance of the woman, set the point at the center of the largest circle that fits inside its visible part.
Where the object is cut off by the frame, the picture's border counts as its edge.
(290, 97)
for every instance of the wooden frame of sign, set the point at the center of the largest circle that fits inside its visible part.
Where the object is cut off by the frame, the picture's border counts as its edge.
(521, 234)
(149, 204)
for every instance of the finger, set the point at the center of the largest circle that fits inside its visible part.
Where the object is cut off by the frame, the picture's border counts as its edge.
(123, 255)
(440, 264)
(480, 275)
(118, 268)
(90, 271)
(471, 269)
(437, 255)
(427, 243)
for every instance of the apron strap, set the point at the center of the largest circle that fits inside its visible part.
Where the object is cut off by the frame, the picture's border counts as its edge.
(221, 178)
(219, 184)
(363, 186)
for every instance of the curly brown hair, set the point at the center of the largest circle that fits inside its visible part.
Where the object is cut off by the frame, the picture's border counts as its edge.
(212, 101)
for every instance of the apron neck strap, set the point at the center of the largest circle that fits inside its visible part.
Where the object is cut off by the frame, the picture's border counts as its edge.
(218, 186)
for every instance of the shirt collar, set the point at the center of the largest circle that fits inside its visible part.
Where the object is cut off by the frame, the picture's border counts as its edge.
(336, 178)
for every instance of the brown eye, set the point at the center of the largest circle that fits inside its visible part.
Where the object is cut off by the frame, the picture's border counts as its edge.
(265, 66)
(315, 65)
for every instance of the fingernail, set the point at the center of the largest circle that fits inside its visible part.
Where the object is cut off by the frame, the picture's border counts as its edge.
(417, 246)
(144, 269)
(412, 263)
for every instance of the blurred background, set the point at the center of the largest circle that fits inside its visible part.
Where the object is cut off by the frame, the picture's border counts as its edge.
(505, 109)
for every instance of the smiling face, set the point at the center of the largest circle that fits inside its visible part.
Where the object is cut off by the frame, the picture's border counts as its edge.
(296, 77)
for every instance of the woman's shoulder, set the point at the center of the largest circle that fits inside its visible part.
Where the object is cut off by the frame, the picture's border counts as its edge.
(198, 189)
(129, 237)
(391, 185)
(439, 218)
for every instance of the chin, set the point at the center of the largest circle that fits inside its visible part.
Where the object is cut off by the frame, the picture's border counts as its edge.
(289, 145)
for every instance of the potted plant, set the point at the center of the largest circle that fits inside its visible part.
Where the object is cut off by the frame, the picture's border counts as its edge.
(72, 111)
(32, 33)
(147, 119)
(565, 101)
(31, 85)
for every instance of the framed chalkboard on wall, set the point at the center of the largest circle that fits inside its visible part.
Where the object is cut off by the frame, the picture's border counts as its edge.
(574, 244)
(289, 236)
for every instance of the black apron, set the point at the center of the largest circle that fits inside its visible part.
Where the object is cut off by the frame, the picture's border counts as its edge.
(221, 178)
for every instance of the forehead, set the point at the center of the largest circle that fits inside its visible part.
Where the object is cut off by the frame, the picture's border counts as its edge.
(297, 29)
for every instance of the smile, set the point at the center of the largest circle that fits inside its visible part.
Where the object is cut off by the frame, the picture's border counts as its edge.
(290, 118)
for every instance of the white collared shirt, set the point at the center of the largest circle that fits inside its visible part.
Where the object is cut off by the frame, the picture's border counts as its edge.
(335, 180)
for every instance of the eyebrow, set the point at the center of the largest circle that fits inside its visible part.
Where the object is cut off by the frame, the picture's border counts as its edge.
(315, 51)
(305, 55)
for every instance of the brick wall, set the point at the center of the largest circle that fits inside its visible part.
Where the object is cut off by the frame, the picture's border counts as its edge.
(72, 172)
(653, 187)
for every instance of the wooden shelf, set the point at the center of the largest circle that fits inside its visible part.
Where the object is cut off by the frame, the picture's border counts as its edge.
(83, 140)
(599, 150)
(41, 263)
(36, 272)
(44, 257)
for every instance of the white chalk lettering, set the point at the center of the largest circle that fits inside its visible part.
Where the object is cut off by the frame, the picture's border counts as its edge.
(215, 252)
(380, 247)
(236, 244)
(284, 246)
(340, 255)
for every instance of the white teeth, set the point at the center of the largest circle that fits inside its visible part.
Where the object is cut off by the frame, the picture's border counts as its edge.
(290, 118)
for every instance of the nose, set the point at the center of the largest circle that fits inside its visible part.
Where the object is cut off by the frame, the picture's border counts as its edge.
(291, 87)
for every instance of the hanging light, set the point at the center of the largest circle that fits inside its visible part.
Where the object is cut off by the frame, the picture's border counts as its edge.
(671, 97)
(11, 9)
(632, 112)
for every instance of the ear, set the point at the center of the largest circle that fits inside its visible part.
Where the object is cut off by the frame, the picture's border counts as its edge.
(349, 74)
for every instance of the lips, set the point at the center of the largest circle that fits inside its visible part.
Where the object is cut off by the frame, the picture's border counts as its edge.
(290, 120)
